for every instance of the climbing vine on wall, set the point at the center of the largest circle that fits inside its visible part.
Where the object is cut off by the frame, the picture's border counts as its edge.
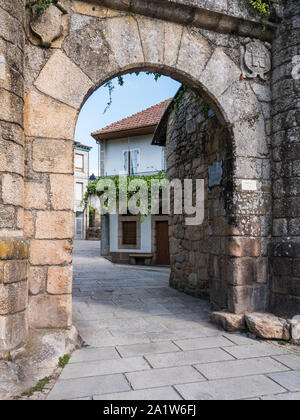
(93, 191)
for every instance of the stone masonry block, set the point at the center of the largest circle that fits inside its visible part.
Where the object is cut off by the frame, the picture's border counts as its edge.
(13, 271)
(230, 73)
(59, 280)
(67, 83)
(11, 156)
(36, 196)
(13, 297)
(12, 189)
(243, 247)
(54, 156)
(13, 330)
(13, 249)
(36, 280)
(242, 299)
(56, 252)
(54, 225)
(62, 192)
(40, 117)
(46, 311)
(194, 53)
(28, 224)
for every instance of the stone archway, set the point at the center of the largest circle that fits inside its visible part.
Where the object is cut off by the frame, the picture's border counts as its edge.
(95, 47)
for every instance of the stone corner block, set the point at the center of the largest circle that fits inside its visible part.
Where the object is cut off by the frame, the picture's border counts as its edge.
(229, 321)
(268, 326)
(45, 311)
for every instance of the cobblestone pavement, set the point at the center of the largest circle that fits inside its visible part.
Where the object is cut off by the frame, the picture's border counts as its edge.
(147, 341)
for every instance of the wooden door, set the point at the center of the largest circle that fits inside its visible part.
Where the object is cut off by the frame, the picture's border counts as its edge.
(162, 243)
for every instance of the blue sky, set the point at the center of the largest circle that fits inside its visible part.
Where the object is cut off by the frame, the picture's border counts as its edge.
(138, 93)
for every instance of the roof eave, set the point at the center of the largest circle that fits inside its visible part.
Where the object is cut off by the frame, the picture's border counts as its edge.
(132, 132)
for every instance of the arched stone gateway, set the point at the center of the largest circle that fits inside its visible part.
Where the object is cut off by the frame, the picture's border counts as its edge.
(69, 52)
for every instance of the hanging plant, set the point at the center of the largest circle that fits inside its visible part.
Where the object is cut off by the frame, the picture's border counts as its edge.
(109, 85)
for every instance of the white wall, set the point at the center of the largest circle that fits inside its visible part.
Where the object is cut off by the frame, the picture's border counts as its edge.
(150, 156)
(81, 177)
(146, 240)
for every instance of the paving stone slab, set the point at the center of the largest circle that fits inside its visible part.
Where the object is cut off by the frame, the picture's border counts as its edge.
(190, 357)
(89, 335)
(155, 394)
(229, 389)
(163, 377)
(105, 367)
(167, 335)
(240, 339)
(289, 396)
(142, 349)
(203, 343)
(112, 323)
(289, 380)
(94, 354)
(237, 368)
(256, 350)
(150, 328)
(290, 360)
(117, 341)
(85, 387)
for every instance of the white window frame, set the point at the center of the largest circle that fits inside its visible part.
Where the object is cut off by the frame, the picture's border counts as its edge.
(78, 168)
(164, 159)
(138, 160)
(82, 191)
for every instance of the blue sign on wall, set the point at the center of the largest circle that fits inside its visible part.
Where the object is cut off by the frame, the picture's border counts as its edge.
(215, 173)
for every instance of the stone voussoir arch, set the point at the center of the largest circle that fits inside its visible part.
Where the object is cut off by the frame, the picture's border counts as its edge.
(143, 44)
(102, 49)
(94, 49)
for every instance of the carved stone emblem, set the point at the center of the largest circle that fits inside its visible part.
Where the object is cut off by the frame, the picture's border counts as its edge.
(256, 59)
(48, 26)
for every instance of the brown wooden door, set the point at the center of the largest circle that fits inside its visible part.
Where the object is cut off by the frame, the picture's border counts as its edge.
(162, 243)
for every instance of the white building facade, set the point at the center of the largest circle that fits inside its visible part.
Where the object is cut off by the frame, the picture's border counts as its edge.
(126, 149)
(81, 180)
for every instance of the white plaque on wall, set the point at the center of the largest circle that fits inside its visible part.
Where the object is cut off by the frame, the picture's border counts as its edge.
(249, 185)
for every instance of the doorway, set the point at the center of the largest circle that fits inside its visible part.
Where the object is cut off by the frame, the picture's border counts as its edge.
(163, 249)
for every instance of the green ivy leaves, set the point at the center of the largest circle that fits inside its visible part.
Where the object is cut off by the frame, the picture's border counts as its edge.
(263, 7)
(92, 188)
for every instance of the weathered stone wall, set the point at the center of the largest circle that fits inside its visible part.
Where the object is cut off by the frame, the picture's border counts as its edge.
(13, 249)
(194, 142)
(226, 257)
(285, 288)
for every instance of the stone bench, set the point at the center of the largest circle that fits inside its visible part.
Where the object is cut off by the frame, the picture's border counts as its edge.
(133, 258)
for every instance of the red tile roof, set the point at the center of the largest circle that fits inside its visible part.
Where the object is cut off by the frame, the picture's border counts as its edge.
(145, 119)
